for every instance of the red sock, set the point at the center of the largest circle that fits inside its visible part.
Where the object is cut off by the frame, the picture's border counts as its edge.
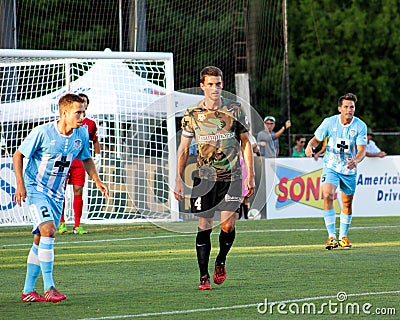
(78, 207)
(62, 219)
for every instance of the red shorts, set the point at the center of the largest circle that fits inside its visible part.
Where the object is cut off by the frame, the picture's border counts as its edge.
(76, 173)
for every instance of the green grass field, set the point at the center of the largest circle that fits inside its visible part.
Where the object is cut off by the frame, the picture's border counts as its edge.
(147, 272)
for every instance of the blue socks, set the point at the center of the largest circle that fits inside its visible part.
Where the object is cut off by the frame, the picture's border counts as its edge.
(46, 259)
(345, 221)
(40, 258)
(330, 217)
(32, 269)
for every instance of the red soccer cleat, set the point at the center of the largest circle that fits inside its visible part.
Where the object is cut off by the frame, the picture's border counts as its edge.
(219, 273)
(205, 283)
(53, 295)
(32, 297)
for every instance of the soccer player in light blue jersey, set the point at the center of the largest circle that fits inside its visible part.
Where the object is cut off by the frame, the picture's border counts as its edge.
(345, 149)
(50, 149)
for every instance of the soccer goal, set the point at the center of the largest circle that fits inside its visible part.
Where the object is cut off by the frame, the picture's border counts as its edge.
(131, 100)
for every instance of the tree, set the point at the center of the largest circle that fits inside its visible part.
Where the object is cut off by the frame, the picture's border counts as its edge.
(345, 46)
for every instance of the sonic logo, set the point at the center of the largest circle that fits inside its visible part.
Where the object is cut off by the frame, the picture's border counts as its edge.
(300, 187)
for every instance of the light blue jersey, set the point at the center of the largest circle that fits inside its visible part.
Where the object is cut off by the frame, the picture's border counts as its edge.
(50, 155)
(342, 142)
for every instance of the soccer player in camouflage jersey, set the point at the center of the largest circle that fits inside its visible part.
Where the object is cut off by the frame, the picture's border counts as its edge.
(216, 139)
(219, 127)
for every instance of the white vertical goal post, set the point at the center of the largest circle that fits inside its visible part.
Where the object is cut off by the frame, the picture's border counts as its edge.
(133, 102)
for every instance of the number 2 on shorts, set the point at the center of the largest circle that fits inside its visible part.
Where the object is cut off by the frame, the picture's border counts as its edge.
(45, 212)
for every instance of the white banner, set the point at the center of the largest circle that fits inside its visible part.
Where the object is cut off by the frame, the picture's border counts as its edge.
(294, 188)
(10, 212)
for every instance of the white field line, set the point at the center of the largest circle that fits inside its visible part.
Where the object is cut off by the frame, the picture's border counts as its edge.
(241, 306)
(191, 235)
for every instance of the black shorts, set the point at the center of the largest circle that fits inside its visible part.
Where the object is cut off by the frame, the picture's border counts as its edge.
(210, 196)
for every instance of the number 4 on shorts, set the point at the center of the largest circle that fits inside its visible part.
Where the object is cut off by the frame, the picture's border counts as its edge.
(197, 203)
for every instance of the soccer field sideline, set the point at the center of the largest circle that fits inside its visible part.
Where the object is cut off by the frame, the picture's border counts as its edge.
(191, 235)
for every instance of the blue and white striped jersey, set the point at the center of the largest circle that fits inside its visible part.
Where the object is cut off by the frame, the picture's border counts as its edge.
(342, 142)
(50, 155)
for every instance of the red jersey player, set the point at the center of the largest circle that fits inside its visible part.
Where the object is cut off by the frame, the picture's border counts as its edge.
(77, 175)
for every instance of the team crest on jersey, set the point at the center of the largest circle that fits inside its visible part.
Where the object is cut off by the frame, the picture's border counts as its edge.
(353, 132)
(77, 144)
(201, 117)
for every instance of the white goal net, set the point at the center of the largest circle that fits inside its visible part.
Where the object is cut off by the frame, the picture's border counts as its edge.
(129, 100)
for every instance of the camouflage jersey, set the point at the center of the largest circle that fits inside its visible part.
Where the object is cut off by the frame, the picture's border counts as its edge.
(217, 134)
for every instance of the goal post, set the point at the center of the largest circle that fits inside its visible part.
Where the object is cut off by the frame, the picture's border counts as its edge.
(131, 98)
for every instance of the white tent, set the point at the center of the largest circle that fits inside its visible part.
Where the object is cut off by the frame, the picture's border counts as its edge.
(113, 88)
(32, 109)
(116, 89)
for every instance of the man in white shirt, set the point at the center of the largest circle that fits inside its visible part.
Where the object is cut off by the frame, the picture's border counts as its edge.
(372, 149)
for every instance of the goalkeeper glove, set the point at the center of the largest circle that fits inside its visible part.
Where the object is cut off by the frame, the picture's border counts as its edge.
(97, 161)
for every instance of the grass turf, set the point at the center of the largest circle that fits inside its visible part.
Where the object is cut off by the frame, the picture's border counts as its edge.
(148, 272)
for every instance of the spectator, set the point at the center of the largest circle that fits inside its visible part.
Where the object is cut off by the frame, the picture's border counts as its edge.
(298, 150)
(372, 149)
(267, 139)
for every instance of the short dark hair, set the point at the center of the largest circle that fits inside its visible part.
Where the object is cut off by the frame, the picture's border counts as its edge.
(82, 95)
(298, 137)
(347, 96)
(67, 100)
(210, 71)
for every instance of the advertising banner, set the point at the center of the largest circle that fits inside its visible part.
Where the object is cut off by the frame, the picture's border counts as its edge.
(294, 188)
